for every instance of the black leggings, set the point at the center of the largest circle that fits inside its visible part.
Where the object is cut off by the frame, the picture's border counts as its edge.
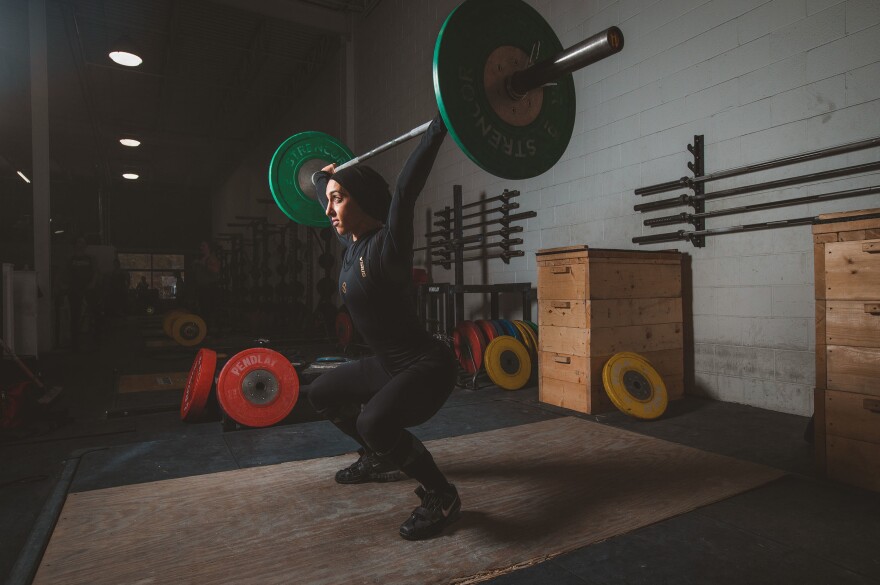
(391, 403)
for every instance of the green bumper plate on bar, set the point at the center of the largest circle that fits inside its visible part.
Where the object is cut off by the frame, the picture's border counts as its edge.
(473, 32)
(290, 174)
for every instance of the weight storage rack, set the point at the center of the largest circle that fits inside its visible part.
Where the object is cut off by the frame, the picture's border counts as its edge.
(441, 305)
(697, 201)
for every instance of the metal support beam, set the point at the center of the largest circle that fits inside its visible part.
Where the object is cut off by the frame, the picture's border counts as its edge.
(349, 90)
(40, 159)
(169, 67)
(102, 166)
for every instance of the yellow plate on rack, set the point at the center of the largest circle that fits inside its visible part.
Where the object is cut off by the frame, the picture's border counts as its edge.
(508, 363)
(169, 318)
(188, 330)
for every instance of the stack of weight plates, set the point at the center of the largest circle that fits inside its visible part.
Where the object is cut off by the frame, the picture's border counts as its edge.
(506, 350)
(344, 327)
(185, 328)
(257, 387)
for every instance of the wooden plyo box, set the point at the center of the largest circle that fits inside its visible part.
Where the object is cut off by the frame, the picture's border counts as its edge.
(847, 397)
(594, 303)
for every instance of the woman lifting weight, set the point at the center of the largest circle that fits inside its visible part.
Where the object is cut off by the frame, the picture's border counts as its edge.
(374, 399)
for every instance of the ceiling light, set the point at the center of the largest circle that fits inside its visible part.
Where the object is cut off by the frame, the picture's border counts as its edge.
(59, 232)
(129, 142)
(23, 178)
(130, 176)
(124, 52)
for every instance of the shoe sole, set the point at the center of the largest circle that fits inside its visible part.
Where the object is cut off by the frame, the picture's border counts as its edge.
(386, 477)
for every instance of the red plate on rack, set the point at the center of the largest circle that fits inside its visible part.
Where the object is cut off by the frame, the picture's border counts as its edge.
(258, 387)
(198, 385)
(487, 329)
(344, 328)
(469, 344)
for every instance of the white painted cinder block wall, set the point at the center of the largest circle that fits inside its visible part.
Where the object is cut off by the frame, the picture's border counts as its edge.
(759, 79)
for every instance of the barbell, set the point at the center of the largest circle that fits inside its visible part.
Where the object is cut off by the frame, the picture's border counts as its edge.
(503, 87)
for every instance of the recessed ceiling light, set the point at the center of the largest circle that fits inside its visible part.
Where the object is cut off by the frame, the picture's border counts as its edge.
(125, 53)
(23, 178)
(129, 142)
(126, 58)
(130, 176)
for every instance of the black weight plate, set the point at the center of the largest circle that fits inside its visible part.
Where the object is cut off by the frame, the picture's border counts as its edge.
(470, 37)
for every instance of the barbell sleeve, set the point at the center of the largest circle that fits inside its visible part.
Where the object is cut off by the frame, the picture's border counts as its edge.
(683, 199)
(586, 52)
(669, 220)
(658, 238)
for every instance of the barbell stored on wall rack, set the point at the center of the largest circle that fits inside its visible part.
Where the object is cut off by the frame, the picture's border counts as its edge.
(470, 239)
(503, 255)
(503, 87)
(506, 195)
(452, 242)
(689, 182)
(503, 244)
(685, 199)
(500, 209)
(505, 221)
(691, 217)
(736, 229)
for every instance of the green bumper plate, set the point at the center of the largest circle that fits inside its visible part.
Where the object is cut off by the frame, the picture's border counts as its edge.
(471, 33)
(290, 174)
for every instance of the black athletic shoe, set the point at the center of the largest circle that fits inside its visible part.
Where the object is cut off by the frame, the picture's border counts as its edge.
(438, 510)
(368, 468)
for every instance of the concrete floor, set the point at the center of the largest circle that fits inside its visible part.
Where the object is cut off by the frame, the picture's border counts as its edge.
(799, 529)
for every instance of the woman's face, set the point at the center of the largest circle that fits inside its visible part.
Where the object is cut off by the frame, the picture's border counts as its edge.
(344, 212)
(203, 248)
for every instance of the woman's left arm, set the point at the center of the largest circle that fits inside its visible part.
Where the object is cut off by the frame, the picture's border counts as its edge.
(410, 183)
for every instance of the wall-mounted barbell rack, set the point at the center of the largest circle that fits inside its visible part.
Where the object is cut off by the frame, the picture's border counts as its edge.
(452, 245)
(446, 246)
(698, 199)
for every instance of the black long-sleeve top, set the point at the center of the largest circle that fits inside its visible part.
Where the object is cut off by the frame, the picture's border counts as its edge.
(375, 281)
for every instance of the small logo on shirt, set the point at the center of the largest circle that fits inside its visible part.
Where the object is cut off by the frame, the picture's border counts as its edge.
(344, 287)
(363, 270)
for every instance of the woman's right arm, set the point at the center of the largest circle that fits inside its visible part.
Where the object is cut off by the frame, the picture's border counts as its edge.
(320, 180)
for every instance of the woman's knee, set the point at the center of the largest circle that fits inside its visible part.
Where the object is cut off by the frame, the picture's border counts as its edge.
(320, 394)
(377, 429)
